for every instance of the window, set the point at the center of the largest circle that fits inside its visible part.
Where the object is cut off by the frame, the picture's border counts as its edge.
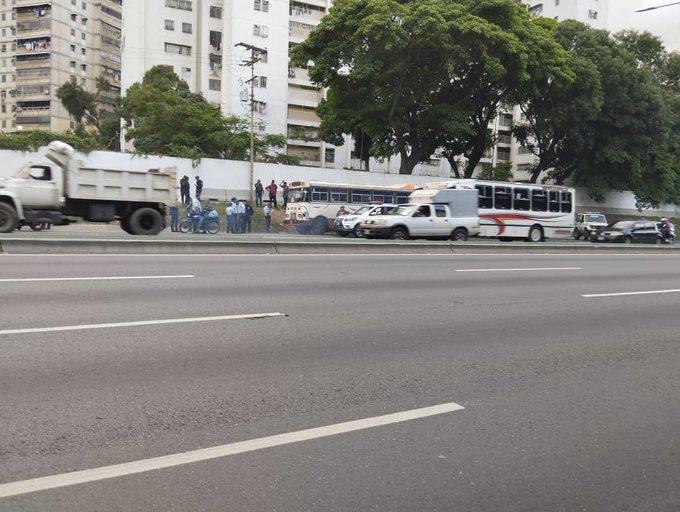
(73, 17)
(261, 81)
(82, 51)
(261, 5)
(83, 21)
(339, 195)
(184, 5)
(319, 194)
(179, 49)
(439, 210)
(361, 196)
(83, 67)
(82, 36)
(553, 201)
(379, 196)
(84, 5)
(521, 199)
(73, 48)
(422, 211)
(215, 12)
(539, 201)
(485, 194)
(565, 202)
(592, 15)
(503, 198)
(260, 30)
(73, 32)
(263, 57)
(169, 25)
(214, 85)
(186, 28)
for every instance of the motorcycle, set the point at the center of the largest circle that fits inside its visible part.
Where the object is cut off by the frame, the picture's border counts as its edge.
(667, 233)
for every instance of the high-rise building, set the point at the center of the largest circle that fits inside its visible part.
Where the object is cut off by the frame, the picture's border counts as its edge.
(217, 46)
(592, 12)
(43, 44)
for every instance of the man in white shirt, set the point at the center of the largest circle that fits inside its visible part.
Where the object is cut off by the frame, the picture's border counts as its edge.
(196, 214)
(231, 217)
(241, 217)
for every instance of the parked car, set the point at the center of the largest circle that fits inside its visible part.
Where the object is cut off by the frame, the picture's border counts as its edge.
(629, 231)
(588, 223)
(351, 224)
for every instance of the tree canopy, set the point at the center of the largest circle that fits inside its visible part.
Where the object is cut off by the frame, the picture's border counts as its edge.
(165, 118)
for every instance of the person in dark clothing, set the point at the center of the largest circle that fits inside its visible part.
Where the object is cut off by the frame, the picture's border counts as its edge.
(185, 190)
(285, 190)
(248, 219)
(199, 186)
(174, 218)
(271, 188)
(259, 190)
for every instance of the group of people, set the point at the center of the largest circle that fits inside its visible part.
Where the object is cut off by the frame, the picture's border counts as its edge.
(272, 190)
(239, 216)
(185, 189)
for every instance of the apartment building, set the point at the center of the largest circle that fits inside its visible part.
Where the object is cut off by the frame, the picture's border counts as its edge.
(217, 46)
(592, 12)
(45, 43)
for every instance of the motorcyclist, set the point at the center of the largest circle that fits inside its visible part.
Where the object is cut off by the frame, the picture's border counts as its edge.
(667, 229)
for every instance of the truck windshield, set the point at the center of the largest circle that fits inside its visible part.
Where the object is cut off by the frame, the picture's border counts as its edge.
(405, 210)
(596, 218)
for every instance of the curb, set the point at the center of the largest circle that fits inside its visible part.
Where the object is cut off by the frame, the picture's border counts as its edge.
(79, 246)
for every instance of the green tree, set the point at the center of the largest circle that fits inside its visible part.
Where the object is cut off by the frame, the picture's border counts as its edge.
(32, 140)
(418, 75)
(165, 118)
(501, 172)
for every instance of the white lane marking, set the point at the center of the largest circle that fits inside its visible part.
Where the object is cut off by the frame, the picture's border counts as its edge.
(623, 294)
(94, 278)
(143, 322)
(515, 269)
(178, 459)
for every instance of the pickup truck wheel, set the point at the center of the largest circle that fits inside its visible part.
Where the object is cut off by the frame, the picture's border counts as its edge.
(8, 218)
(577, 234)
(399, 234)
(358, 232)
(145, 221)
(459, 235)
(319, 226)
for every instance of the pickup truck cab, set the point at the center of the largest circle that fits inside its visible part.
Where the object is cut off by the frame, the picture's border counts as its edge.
(455, 217)
(350, 224)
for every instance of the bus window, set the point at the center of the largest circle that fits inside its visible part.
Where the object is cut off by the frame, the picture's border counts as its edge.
(566, 202)
(319, 194)
(339, 195)
(485, 196)
(503, 198)
(299, 196)
(521, 199)
(361, 196)
(539, 201)
(401, 197)
(554, 201)
(383, 197)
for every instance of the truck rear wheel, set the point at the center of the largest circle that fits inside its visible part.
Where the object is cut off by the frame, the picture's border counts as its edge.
(145, 221)
(8, 218)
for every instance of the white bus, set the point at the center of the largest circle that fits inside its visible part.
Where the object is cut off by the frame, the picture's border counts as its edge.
(313, 205)
(511, 210)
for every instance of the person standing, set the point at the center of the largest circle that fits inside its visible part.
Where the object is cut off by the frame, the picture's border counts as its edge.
(271, 188)
(267, 217)
(285, 190)
(241, 212)
(248, 227)
(230, 218)
(196, 213)
(259, 190)
(199, 186)
(174, 218)
(184, 190)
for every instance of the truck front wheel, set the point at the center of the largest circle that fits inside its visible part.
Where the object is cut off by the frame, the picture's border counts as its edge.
(145, 221)
(399, 234)
(8, 218)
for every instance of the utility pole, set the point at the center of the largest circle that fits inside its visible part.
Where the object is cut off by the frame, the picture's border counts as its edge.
(255, 53)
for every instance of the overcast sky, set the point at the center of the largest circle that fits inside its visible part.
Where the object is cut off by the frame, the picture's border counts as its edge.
(664, 23)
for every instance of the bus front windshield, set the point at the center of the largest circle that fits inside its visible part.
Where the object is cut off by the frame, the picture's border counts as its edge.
(300, 195)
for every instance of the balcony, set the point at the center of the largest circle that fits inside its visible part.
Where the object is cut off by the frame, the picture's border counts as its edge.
(298, 76)
(303, 117)
(33, 63)
(32, 3)
(504, 139)
(34, 28)
(30, 47)
(33, 93)
(300, 14)
(301, 96)
(34, 79)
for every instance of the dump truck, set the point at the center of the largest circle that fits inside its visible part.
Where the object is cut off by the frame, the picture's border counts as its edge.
(64, 188)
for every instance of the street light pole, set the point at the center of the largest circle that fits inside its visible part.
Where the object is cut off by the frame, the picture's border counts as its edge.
(657, 7)
(255, 52)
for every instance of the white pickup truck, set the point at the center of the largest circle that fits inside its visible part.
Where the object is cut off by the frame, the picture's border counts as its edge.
(447, 214)
(64, 187)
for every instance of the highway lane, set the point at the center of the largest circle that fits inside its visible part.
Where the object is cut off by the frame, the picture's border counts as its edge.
(570, 402)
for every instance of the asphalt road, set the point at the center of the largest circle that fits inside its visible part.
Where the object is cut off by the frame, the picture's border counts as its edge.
(569, 402)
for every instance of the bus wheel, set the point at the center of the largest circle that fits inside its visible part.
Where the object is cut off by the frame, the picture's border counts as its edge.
(459, 235)
(399, 234)
(536, 234)
(319, 226)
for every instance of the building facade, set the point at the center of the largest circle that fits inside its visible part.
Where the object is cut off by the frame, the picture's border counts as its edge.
(592, 12)
(218, 46)
(43, 44)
